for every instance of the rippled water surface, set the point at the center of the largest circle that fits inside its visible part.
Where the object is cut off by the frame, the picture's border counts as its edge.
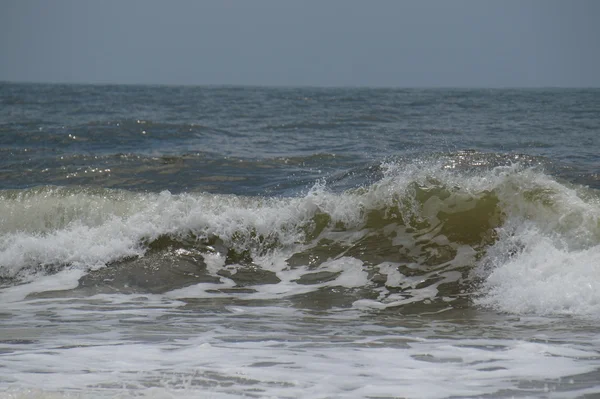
(323, 243)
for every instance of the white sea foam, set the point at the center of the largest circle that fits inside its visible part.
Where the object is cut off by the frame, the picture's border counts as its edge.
(63, 280)
(544, 277)
(279, 352)
(350, 274)
(546, 254)
(547, 258)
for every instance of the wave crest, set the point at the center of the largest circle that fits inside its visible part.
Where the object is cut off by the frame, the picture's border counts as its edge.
(423, 232)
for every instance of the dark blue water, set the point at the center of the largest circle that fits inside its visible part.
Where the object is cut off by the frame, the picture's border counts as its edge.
(274, 140)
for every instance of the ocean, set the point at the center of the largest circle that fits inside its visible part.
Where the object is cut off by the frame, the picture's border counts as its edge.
(227, 242)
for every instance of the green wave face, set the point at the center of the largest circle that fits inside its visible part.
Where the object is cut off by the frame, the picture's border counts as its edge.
(420, 235)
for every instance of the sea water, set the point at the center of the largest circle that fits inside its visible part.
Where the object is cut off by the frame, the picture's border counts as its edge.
(225, 242)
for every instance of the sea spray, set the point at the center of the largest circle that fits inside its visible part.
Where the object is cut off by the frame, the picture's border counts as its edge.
(422, 232)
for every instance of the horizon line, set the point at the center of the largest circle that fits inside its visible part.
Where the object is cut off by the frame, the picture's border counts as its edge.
(295, 86)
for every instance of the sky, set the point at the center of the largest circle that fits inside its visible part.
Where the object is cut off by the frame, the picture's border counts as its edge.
(383, 43)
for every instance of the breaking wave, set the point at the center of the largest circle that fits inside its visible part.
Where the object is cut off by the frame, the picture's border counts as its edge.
(423, 236)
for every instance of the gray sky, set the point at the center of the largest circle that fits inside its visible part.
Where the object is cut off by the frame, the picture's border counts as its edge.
(319, 43)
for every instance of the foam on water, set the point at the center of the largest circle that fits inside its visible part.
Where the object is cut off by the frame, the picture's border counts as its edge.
(348, 272)
(63, 280)
(544, 277)
(278, 352)
(537, 250)
(547, 258)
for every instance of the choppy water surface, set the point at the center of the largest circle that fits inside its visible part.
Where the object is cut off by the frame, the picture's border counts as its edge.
(323, 243)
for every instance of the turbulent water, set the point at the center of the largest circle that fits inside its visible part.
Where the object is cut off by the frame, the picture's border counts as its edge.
(183, 242)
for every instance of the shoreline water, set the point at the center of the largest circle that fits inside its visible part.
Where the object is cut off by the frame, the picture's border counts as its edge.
(175, 242)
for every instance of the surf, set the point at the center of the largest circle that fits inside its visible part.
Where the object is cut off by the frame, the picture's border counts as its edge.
(421, 233)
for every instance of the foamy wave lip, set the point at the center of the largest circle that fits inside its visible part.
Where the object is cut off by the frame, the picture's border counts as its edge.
(545, 279)
(87, 242)
(79, 246)
(547, 258)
